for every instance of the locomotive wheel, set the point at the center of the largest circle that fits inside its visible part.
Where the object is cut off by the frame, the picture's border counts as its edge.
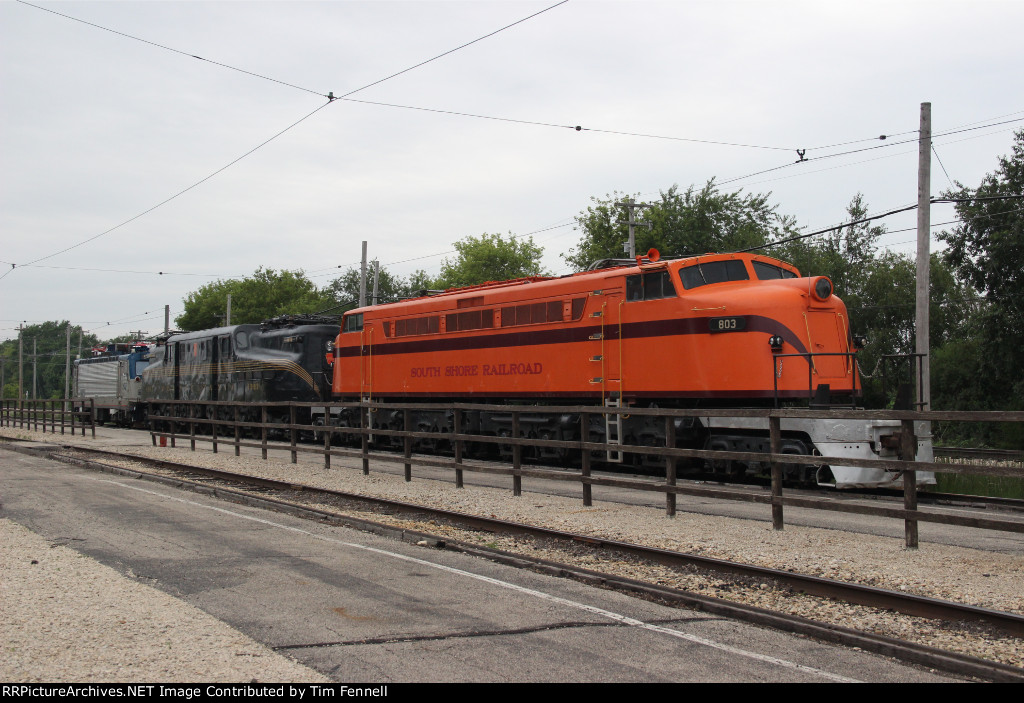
(723, 467)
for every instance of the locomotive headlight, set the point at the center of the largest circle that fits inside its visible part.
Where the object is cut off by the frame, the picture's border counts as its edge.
(822, 289)
(859, 341)
(775, 341)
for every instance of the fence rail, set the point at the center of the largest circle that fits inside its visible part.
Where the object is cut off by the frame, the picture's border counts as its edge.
(225, 423)
(37, 415)
(261, 425)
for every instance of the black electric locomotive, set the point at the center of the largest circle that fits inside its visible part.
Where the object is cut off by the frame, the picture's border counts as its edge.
(285, 359)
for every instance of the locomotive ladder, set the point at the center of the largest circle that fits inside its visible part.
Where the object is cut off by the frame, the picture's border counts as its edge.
(613, 431)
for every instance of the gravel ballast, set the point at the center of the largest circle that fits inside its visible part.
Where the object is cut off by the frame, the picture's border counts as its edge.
(65, 617)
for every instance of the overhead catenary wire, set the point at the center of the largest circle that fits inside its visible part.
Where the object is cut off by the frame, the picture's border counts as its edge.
(873, 217)
(331, 98)
(574, 127)
(169, 48)
(438, 254)
(96, 326)
(805, 159)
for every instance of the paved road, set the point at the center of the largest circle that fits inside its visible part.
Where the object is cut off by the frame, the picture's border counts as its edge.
(364, 608)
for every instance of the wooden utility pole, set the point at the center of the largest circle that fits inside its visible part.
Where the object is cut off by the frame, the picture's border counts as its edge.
(376, 280)
(631, 206)
(67, 366)
(21, 364)
(227, 317)
(924, 189)
(362, 279)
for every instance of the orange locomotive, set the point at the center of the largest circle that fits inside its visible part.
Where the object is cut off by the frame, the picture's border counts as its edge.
(717, 330)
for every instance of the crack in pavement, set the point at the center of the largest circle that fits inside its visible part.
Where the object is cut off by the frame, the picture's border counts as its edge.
(462, 635)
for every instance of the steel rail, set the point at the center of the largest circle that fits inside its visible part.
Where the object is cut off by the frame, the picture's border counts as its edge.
(908, 604)
(908, 651)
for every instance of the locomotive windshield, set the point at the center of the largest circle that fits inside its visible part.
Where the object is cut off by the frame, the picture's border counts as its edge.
(713, 272)
(766, 272)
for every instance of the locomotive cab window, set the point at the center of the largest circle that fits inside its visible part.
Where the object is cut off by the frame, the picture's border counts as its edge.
(649, 286)
(292, 344)
(353, 323)
(713, 272)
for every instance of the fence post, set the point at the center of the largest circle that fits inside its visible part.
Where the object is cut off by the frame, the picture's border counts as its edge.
(92, 417)
(588, 489)
(263, 431)
(458, 448)
(327, 437)
(670, 467)
(407, 444)
(192, 424)
(775, 435)
(517, 458)
(238, 431)
(213, 427)
(908, 452)
(364, 416)
(291, 419)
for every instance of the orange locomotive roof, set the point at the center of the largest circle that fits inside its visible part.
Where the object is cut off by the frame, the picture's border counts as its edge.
(444, 298)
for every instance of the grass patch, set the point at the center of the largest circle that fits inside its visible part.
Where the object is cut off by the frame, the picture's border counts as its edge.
(974, 485)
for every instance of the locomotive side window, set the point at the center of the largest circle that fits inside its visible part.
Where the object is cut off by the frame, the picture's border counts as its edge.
(470, 320)
(766, 272)
(649, 286)
(713, 272)
(532, 313)
(578, 305)
(418, 325)
(353, 323)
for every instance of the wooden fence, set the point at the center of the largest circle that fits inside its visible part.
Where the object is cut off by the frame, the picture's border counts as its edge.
(38, 415)
(226, 423)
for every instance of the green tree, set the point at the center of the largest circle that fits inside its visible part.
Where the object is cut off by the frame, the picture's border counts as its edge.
(490, 257)
(987, 247)
(345, 288)
(847, 254)
(985, 251)
(51, 355)
(687, 223)
(259, 297)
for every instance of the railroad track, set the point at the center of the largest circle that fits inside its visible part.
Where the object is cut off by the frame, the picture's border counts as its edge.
(298, 499)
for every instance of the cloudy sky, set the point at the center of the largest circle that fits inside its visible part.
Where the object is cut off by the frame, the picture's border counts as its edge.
(98, 128)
